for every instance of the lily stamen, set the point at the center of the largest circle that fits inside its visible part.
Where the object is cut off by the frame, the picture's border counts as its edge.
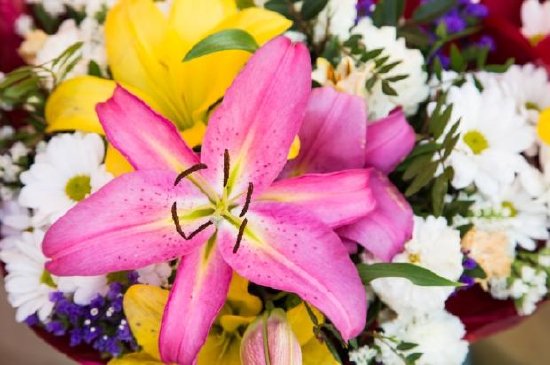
(226, 168)
(189, 171)
(176, 220)
(240, 236)
(248, 199)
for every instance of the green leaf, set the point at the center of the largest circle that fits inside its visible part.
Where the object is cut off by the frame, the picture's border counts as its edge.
(388, 12)
(432, 10)
(500, 68)
(93, 69)
(411, 359)
(417, 166)
(457, 60)
(312, 8)
(225, 40)
(422, 179)
(243, 4)
(439, 190)
(388, 89)
(404, 346)
(280, 6)
(414, 273)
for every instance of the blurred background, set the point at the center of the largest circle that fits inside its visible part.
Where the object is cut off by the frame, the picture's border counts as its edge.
(527, 344)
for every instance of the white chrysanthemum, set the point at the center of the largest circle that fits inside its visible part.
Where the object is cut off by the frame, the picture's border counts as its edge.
(492, 137)
(535, 17)
(27, 283)
(156, 274)
(434, 246)
(68, 170)
(14, 219)
(520, 216)
(438, 336)
(83, 288)
(363, 355)
(411, 91)
(24, 24)
(337, 18)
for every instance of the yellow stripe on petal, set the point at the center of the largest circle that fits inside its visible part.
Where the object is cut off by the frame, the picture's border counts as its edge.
(144, 307)
(543, 126)
(294, 149)
(194, 135)
(72, 104)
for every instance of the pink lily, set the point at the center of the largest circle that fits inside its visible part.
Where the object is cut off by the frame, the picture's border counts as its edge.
(335, 135)
(212, 214)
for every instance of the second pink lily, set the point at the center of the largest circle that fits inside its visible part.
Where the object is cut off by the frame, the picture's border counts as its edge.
(211, 214)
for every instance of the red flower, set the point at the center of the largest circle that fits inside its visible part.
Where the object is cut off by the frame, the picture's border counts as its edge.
(10, 10)
(504, 25)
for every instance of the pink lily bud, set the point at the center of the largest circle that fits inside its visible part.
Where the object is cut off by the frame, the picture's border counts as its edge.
(270, 338)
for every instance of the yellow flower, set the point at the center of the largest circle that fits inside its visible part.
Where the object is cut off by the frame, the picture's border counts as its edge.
(144, 305)
(145, 50)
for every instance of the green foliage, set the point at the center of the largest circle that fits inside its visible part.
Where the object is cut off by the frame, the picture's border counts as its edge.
(356, 48)
(225, 40)
(312, 8)
(414, 273)
(430, 11)
(388, 12)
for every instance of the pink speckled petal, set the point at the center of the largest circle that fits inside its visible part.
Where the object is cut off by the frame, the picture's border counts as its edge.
(287, 248)
(336, 199)
(145, 138)
(333, 134)
(385, 230)
(125, 225)
(389, 141)
(259, 117)
(198, 294)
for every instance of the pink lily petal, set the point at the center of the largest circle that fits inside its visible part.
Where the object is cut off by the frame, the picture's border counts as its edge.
(259, 117)
(287, 248)
(198, 294)
(386, 229)
(333, 134)
(145, 138)
(125, 225)
(389, 141)
(336, 199)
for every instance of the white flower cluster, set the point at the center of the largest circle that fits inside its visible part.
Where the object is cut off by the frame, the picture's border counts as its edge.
(421, 316)
(66, 169)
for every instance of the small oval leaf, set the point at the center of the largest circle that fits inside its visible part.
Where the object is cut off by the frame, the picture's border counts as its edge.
(414, 273)
(225, 40)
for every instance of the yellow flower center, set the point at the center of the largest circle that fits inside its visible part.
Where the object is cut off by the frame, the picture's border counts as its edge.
(509, 209)
(46, 278)
(78, 187)
(414, 258)
(543, 126)
(476, 141)
(536, 39)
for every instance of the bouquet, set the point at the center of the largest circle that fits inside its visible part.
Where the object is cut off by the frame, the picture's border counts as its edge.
(274, 182)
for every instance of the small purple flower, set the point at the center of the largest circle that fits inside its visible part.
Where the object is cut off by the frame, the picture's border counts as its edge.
(364, 8)
(469, 263)
(467, 280)
(487, 42)
(76, 336)
(56, 328)
(479, 11)
(453, 22)
(32, 320)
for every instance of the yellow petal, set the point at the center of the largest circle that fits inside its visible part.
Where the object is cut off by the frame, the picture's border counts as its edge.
(139, 358)
(543, 126)
(194, 19)
(262, 24)
(138, 42)
(242, 303)
(194, 135)
(115, 163)
(301, 322)
(315, 352)
(221, 349)
(231, 323)
(71, 106)
(144, 306)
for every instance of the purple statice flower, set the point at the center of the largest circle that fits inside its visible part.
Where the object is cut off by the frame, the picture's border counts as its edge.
(56, 328)
(454, 22)
(364, 8)
(468, 281)
(32, 320)
(469, 263)
(487, 42)
(101, 323)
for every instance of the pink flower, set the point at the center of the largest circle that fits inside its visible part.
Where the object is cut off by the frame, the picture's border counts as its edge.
(335, 135)
(217, 215)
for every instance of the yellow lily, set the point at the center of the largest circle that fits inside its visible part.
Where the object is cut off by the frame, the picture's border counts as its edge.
(144, 306)
(145, 49)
